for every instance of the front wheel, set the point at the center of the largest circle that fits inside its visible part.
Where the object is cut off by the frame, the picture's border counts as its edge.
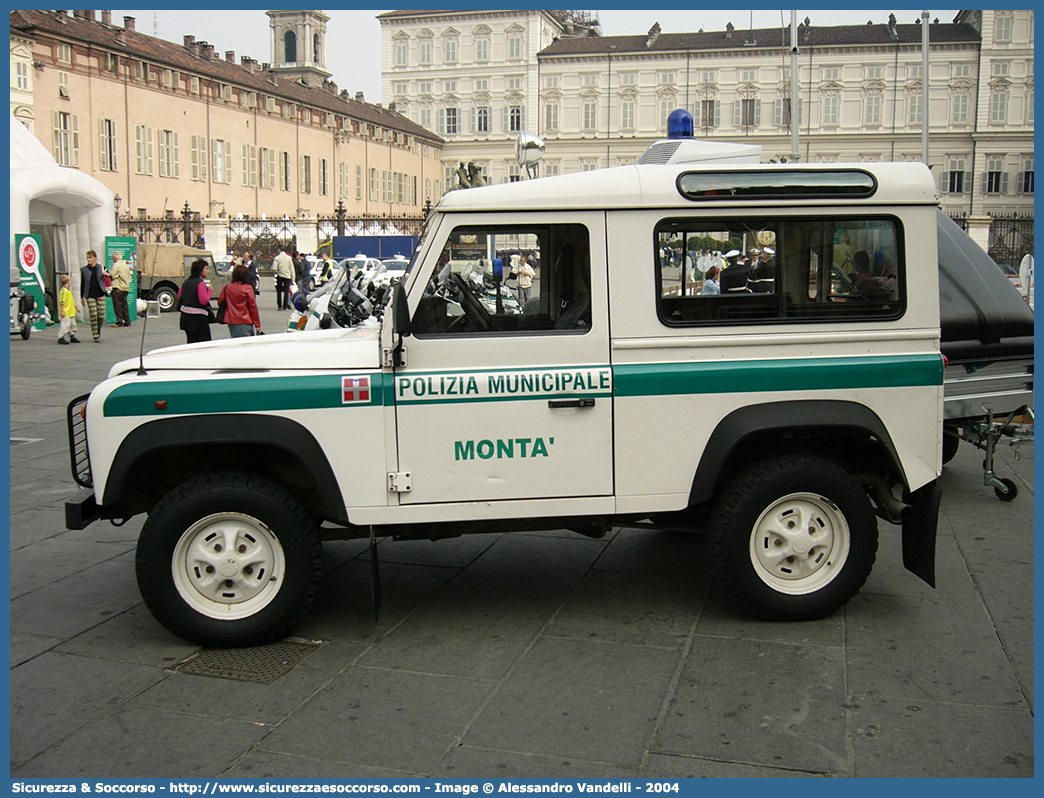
(27, 330)
(166, 298)
(794, 538)
(228, 560)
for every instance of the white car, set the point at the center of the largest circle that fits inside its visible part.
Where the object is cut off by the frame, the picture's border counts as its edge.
(366, 265)
(394, 269)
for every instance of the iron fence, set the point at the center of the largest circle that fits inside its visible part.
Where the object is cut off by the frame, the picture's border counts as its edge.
(263, 238)
(1011, 238)
(167, 229)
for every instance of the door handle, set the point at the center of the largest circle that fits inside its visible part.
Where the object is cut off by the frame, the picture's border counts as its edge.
(556, 403)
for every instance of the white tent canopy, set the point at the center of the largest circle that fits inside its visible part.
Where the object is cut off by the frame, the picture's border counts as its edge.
(44, 193)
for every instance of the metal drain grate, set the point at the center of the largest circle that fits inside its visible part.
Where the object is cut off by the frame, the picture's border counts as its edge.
(263, 664)
(20, 441)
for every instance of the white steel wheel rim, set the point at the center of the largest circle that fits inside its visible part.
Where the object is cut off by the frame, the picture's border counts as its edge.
(166, 300)
(228, 566)
(800, 543)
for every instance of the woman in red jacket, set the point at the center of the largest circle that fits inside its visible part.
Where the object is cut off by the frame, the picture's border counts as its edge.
(240, 306)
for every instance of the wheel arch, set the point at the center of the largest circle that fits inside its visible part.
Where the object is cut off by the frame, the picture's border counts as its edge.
(798, 424)
(163, 453)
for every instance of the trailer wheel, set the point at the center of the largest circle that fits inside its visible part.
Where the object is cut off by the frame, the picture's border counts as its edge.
(794, 538)
(228, 560)
(1008, 492)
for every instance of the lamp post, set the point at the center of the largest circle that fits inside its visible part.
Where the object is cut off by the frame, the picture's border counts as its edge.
(116, 202)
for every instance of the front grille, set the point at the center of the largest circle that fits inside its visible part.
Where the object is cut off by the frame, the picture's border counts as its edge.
(81, 460)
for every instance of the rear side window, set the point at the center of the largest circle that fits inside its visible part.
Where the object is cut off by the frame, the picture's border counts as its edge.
(764, 270)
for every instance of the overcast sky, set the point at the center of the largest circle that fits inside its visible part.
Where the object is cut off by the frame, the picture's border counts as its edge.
(354, 37)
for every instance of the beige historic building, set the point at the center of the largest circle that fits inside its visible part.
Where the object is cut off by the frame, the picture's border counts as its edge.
(164, 124)
(479, 77)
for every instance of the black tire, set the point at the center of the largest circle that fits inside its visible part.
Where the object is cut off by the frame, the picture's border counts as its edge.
(1009, 494)
(783, 575)
(27, 330)
(951, 441)
(166, 297)
(182, 548)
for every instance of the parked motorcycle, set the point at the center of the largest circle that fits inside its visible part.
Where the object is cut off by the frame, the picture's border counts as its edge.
(23, 307)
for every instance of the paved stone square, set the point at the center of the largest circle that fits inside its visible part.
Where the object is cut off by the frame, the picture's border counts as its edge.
(522, 655)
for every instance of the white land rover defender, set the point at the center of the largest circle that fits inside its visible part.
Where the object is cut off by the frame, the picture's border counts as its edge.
(797, 396)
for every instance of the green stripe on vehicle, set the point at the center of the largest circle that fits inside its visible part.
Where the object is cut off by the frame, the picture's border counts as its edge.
(244, 394)
(758, 376)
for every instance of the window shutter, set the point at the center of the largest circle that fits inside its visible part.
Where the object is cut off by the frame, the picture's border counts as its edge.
(697, 114)
(139, 151)
(717, 113)
(757, 113)
(442, 121)
(246, 164)
(1004, 182)
(984, 182)
(737, 113)
(967, 181)
(506, 120)
(471, 116)
(150, 161)
(944, 183)
(175, 154)
(102, 160)
(74, 141)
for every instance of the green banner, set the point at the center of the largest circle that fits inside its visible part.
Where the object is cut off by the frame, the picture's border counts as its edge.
(29, 250)
(127, 248)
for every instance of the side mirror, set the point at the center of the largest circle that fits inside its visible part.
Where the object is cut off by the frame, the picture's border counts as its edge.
(401, 309)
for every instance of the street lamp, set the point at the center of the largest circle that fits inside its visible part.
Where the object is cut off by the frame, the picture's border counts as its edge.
(116, 202)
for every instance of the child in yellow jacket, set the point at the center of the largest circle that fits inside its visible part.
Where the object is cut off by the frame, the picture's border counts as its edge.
(67, 310)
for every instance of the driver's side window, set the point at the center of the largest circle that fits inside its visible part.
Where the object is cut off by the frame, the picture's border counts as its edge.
(509, 279)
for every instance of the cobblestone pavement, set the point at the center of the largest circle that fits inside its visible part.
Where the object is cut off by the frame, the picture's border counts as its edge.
(548, 655)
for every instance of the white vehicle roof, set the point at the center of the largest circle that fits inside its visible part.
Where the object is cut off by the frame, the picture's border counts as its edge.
(656, 185)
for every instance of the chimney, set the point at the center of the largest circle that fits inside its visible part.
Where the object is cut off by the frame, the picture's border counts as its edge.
(391, 106)
(729, 28)
(206, 50)
(654, 34)
(128, 23)
(230, 56)
(359, 96)
(189, 40)
(344, 94)
(248, 63)
(79, 14)
(89, 16)
(106, 17)
(121, 36)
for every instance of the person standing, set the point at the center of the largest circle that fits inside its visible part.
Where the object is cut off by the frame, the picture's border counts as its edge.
(120, 274)
(93, 293)
(241, 314)
(284, 269)
(524, 274)
(301, 272)
(67, 310)
(252, 275)
(710, 282)
(194, 303)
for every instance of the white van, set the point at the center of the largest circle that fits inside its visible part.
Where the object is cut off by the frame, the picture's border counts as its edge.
(797, 405)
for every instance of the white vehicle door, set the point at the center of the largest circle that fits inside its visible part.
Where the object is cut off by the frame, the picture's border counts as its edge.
(503, 399)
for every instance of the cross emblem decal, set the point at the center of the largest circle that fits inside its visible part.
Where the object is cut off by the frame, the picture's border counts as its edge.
(355, 389)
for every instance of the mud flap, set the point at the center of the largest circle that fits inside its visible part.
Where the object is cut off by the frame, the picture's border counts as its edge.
(919, 531)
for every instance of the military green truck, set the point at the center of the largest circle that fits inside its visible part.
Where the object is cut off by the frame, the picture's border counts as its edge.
(162, 268)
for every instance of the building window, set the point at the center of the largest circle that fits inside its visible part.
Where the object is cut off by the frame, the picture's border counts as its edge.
(781, 111)
(915, 71)
(63, 85)
(998, 107)
(514, 83)
(199, 157)
(590, 121)
(22, 76)
(667, 105)
(221, 161)
(1001, 69)
(268, 168)
(959, 109)
(996, 179)
(915, 108)
(514, 47)
(387, 185)
(63, 53)
(667, 78)
(449, 87)
(955, 179)
(249, 165)
(306, 174)
(482, 119)
(873, 109)
(424, 87)
(344, 179)
(66, 138)
(375, 186)
(107, 144)
(481, 84)
(449, 51)
(551, 81)
(874, 73)
(1002, 28)
(748, 75)
(748, 113)
(424, 51)
(514, 172)
(169, 154)
(324, 177)
(143, 159)
(400, 88)
(831, 110)
(515, 119)
(627, 105)
(551, 168)
(1029, 104)
(628, 78)
(551, 116)
(707, 114)
(424, 118)
(284, 171)
(962, 70)
(1026, 178)
(588, 164)
(358, 182)
(590, 80)
(402, 54)
(482, 50)
(832, 73)
(450, 118)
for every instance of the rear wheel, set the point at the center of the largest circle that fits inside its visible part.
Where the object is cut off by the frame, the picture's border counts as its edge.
(166, 298)
(228, 560)
(794, 538)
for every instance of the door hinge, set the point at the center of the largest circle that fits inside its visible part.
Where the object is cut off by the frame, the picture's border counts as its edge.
(392, 358)
(399, 482)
